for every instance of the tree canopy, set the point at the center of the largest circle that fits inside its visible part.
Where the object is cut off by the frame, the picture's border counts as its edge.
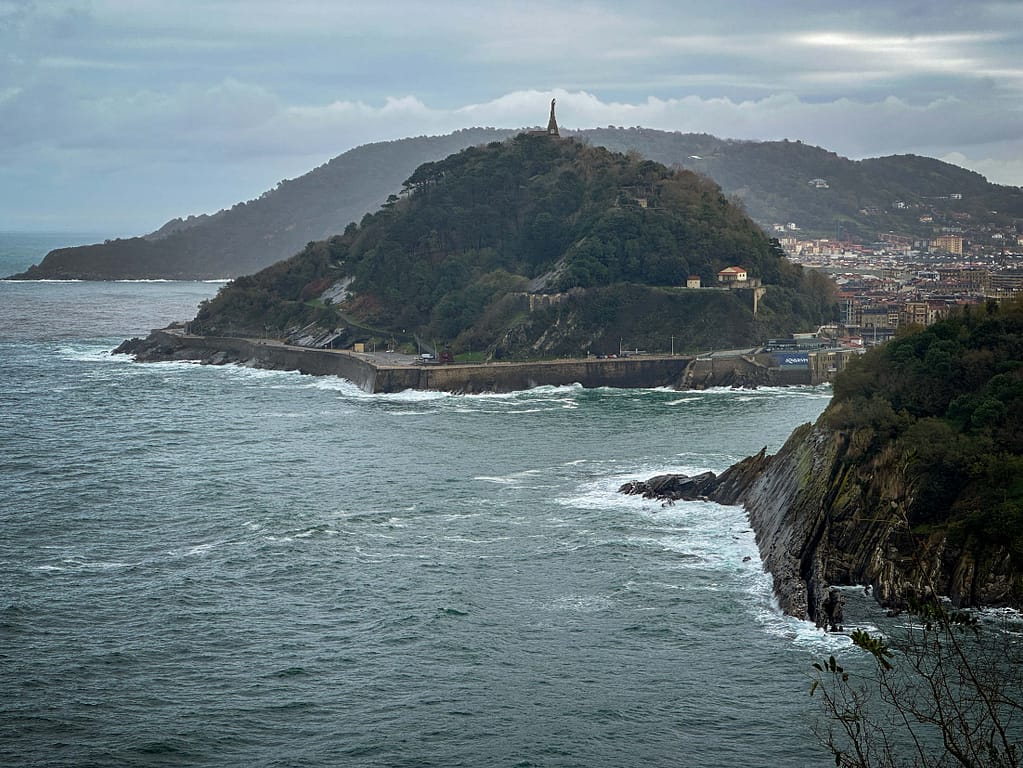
(472, 235)
(949, 400)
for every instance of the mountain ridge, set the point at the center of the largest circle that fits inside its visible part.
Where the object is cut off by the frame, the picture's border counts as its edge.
(770, 179)
(527, 248)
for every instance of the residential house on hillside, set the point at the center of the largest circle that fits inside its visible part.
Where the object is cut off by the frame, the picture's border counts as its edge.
(730, 276)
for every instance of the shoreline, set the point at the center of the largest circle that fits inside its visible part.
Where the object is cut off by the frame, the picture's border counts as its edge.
(373, 375)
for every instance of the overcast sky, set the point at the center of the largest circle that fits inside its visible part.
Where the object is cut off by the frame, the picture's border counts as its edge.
(116, 115)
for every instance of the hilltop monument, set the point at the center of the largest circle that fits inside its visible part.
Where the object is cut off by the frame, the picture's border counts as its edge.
(552, 124)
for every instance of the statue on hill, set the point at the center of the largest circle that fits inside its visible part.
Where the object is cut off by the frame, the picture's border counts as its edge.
(552, 124)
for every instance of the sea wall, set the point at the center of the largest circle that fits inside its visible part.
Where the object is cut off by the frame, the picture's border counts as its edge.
(373, 375)
(511, 377)
(263, 354)
(741, 370)
(173, 344)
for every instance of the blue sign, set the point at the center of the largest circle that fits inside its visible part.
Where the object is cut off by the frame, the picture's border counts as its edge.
(791, 359)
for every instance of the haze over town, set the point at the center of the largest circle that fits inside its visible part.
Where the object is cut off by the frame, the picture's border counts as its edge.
(116, 116)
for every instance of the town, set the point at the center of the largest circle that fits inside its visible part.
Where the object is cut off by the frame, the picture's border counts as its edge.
(948, 258)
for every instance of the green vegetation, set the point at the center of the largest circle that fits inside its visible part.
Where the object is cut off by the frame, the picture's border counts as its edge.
(534, 247)
(947, 400)
(769, 179)
(939, 692)
(940, 408)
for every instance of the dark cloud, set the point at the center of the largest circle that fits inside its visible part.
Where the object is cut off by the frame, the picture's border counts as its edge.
(136, 91)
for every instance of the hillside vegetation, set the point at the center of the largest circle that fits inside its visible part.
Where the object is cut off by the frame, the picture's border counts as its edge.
(910, 482)
(535, 246)
(947, 401)
(770, 180)
(251, 235)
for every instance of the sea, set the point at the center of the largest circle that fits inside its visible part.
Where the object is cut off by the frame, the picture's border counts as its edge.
(218, 566)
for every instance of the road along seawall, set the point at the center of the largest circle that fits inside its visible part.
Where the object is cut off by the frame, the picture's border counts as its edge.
(626, 373)
(635, 372)
(647, 371)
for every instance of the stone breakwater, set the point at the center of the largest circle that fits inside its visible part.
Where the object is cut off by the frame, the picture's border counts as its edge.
(379, 373)
(374, 376)
(820, 521)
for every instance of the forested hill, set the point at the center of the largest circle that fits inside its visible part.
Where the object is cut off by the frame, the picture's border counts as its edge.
(948, 402)
(912, 479)
(277, 224)
(772, 179)
(534, 246)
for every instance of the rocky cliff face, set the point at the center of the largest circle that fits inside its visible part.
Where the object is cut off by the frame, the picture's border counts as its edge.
(822, 519)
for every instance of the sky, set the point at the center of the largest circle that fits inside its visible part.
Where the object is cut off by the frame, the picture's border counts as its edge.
(118, 115)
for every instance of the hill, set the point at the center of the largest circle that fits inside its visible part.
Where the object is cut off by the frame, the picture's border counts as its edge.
(277, 224)
(529, 247)
(911, 481)
(770, 179)
(858, 198)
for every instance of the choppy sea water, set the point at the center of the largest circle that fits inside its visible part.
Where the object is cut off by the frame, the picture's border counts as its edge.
(225, 567)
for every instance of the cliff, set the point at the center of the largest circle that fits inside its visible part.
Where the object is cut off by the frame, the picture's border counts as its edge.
(820, 523)
(911, 482)
(532, 248)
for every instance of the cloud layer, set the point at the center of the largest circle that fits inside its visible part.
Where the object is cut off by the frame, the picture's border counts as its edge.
(119, 114)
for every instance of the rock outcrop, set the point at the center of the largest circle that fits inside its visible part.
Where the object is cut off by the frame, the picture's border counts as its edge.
(163, 346)
(823, 520)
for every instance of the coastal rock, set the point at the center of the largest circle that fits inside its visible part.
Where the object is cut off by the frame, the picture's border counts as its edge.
(821, 523)
(672, 487)
(165, 346)
(151, 349)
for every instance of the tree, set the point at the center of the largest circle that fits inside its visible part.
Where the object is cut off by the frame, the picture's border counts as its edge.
(942, 693)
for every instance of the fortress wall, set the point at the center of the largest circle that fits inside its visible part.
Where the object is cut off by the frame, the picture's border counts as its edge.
(511, 377)
(626, 373)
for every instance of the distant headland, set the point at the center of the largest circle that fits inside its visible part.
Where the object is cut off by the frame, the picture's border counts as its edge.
(796, 188)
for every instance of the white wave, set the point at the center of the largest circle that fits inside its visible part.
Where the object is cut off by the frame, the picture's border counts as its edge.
(522, 411)
(1006, 616)
(711, 538)
(533, 393)
(496, 480)
(335, 384)
(149, 280)
(804, 390)
(349, 389)
(513, 478)
(579, 603)
(82, 563)
(602, 492)
(199, 550)
(90, 354)
(411, 396)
